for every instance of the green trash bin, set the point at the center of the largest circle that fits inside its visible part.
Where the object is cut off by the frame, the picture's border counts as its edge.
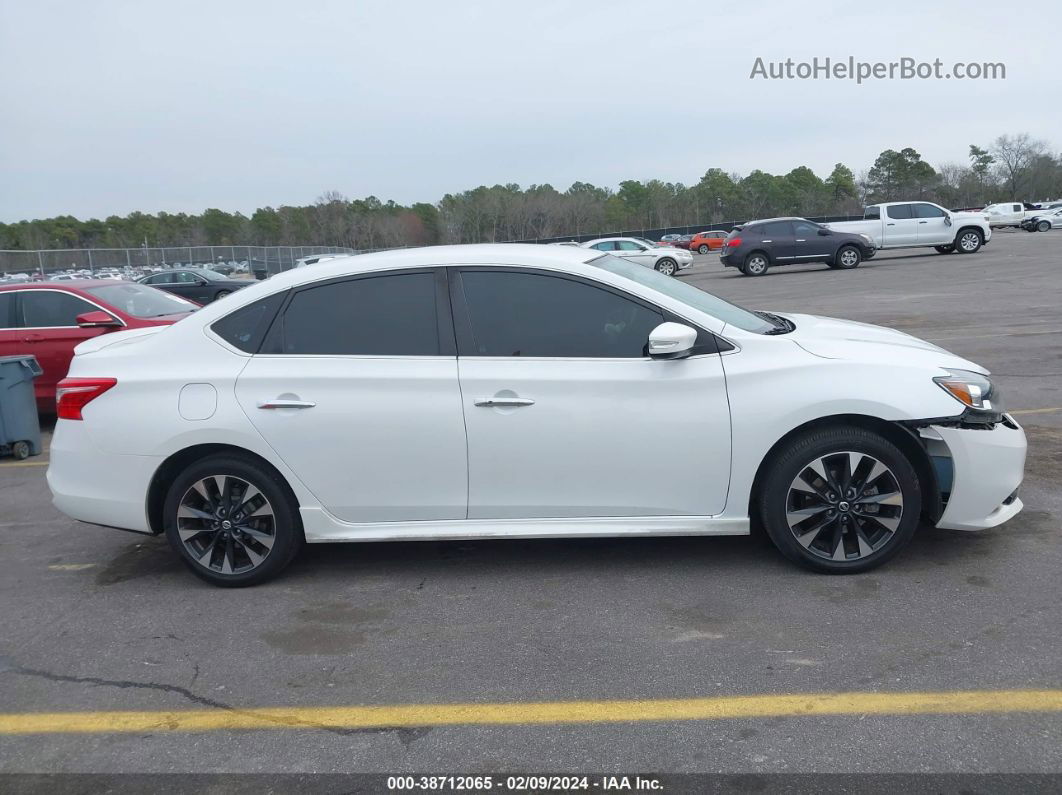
(20, 430)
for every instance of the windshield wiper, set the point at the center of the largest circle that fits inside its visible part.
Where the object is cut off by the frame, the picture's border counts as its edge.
(780, 324)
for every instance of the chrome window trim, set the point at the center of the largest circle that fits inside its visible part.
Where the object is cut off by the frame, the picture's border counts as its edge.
(63, 292)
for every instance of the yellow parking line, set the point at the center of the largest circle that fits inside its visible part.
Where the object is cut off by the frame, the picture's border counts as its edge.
(1036, 411)
(13, 464)
(555, 712)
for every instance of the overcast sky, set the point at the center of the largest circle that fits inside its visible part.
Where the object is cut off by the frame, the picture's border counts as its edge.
(110, 107)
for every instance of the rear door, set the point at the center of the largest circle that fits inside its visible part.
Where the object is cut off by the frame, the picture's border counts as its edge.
(566, 414)
(776, 238)
(901, 226)
(355, 387)
(933, 227)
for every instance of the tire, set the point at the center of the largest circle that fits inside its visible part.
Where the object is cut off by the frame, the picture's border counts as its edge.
(805, 524)
(968, 241)
(944, 249)
(848, 257)
(222, 294)
(756, 264)
(20, 450)
(702, 249)
(667, 266)
(256, 547)
(1043, 226)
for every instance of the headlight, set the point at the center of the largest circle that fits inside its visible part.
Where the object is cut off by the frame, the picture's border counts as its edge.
(971, 389)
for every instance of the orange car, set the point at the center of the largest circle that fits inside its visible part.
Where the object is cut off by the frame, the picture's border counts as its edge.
(703, 242)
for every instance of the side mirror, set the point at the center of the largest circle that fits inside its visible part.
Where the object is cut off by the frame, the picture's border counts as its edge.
(947, 220)
(200, 282)
(97, 319)
(671, 341)
(824, 232)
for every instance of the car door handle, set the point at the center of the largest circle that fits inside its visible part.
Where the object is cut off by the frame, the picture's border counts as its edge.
(33, 338)
(766, 241)
(504, 401)
(923, 222)
(801, 240)
(890, 224)
(278, 403)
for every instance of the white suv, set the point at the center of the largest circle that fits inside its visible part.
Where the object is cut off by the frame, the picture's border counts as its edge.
(665, 259)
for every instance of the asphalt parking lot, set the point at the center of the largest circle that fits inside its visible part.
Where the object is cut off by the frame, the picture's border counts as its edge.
(96, 620)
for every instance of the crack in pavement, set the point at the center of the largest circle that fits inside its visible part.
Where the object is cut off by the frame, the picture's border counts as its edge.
(405, 735)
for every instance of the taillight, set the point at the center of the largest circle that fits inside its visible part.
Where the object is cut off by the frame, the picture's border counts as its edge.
(733, 242)
(73, 394)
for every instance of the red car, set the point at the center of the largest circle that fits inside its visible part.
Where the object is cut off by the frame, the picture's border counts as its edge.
(703, 242)
(48, 319)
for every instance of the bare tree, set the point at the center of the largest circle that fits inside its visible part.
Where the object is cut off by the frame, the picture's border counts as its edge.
(1014, 155)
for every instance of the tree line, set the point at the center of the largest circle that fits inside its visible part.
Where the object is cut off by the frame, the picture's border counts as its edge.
(1012, 167)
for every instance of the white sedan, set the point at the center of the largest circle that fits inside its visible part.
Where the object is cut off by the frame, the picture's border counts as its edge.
(666, 259)
(521, 391)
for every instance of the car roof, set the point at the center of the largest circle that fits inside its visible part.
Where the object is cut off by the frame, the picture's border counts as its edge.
(70, 285)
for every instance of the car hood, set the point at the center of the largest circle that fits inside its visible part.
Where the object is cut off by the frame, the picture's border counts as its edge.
(831, 338)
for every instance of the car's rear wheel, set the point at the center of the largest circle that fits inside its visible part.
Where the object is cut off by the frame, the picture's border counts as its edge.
(755, 265)
(233, 521)
(1043, 226)
(969, 241)
(944, 249)
(840, 500)
(667, 267)
(848, 257)
(702, 249)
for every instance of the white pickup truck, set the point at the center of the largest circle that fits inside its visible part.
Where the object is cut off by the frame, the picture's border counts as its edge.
(915, 224)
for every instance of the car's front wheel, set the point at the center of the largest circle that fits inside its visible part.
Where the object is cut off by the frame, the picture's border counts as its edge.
(233, 521)
(969, 241)
(840, 500)
(848, 257)
(667, 267)
(1043, 226)
(222, 294)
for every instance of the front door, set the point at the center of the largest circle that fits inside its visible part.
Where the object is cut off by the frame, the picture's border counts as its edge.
(933, 226)
(356, 389)
(636, 252)
(568, 417)
(809, 245)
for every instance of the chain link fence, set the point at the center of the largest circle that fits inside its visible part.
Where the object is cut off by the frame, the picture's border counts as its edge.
(259, 261)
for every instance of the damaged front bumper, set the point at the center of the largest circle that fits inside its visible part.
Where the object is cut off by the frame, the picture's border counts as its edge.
(978, 469)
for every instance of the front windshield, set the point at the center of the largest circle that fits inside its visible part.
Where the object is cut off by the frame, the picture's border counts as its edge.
(725, 311)
(140, 301)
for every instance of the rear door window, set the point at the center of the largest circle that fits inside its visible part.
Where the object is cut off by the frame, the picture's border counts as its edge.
(389, 315)
(245, 328)
(900, 212)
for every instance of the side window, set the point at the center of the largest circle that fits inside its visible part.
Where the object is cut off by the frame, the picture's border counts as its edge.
(628, 245)
(156, 279)
(184, 277)
(899, 212)
(777, 229)
(608, 245)
(1017, 208)
(530, 314)
(927, 211)
(393, 315)
(43, 308)
(805, 229)
(245, 328)
(7, 310)
(871, 213)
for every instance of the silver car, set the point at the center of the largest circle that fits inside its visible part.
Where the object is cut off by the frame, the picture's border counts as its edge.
(666, 259)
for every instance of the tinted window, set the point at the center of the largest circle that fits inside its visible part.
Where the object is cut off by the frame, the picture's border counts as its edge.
(627, 245)
(245, 327)
(42, 308)
(608, 245)
(805, 228)
(7, 310)
(872, 213)
(527, 314)
(927, 211)
(382, 315)
(899, 211)
(776, 229)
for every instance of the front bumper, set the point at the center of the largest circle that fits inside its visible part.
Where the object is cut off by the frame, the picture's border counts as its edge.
(987, 467)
